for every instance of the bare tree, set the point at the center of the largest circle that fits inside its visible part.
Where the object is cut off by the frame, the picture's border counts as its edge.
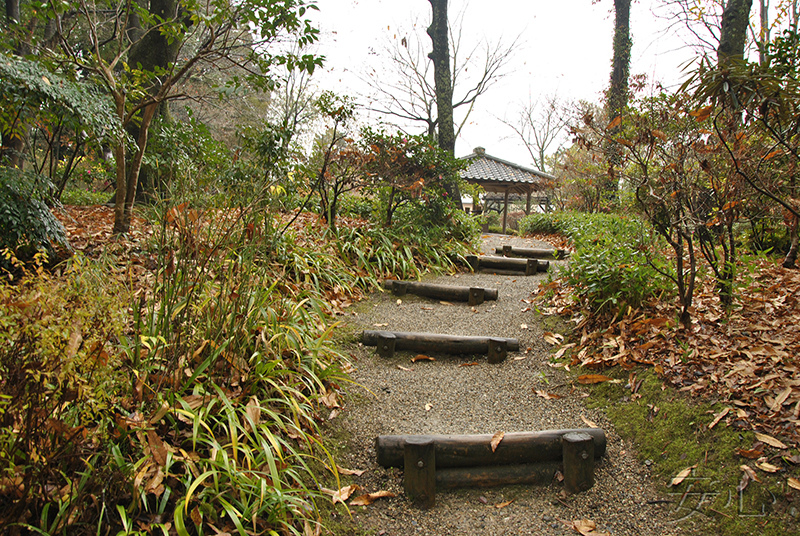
(539, 125)
(406, 89)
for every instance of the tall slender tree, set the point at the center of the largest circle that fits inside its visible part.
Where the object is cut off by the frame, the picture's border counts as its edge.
(440, 56)
(733, 33)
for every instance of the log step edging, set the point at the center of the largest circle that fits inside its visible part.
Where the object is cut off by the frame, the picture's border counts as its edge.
(507, 264)
(533, 253)
(472, 295)
(387, 342)
(476, 450)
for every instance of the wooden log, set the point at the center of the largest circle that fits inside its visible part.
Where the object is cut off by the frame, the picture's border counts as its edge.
(477, 295)
(439, 292)
(434, 342)
(486, 262)
(533, 253)
(386, 344)
(498, 350)
(476, 450)
(578, 456)
(419, 471)
(496, 475)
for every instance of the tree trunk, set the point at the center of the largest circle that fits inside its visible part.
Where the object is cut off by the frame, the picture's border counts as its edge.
(441, 74)
(733, 32)
(12, 144)
(617, 98)
(438, 32)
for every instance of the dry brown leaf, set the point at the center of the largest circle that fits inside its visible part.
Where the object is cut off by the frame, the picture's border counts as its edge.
(588, 379)
(793, 483)
(445, 303)
(718, 417)
(344, 493)
(422, 357)
(366, 500)
(355, 472)
(401, 367)
(546, 395)
(587, 527)
(503, 504)
(473, 364)
(308, 530)
(588, 423)
(753, 454)
(496, 439)
(768, 467)
(552, 338)
(771, 441)
(328, 398)
(253, 411)
(778, 403)
(680, 477)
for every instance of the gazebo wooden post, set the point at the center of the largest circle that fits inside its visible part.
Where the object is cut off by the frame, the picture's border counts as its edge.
(505, 211)
(528, 203)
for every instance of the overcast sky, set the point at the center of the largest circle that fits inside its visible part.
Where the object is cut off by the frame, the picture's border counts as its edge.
(565, 48)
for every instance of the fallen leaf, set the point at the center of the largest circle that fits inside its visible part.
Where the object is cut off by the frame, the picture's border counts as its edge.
(587, 527)
(355, 472)
(380, 325)
(768, 467)
(483, 500)
(428, 407)
(588, 423)
(546, 395)
(401, 367)
(503, 504)
(421, 357)
(793, 483)
(445, 303)
(588, 379)
(520, 358)
(718, 417)
(473, 364)
(771, 441)
(748, 476)
(753, 454)
(369, 498)
(778, 403)
(344, 493)
(496, 439)
(682, 475)
(552, 338)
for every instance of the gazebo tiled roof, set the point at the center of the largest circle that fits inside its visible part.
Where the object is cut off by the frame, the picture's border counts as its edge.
(498, 175)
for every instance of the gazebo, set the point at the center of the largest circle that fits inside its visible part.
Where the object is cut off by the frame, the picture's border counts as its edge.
(496, 175)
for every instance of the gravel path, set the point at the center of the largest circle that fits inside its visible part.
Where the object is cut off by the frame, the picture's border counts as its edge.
(482, 399)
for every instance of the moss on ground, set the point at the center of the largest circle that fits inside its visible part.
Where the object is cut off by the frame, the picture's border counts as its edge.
(671, 433)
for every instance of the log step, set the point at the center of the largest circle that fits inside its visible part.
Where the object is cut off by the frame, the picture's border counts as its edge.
(472, 295)
(388, 342)
(533, 253)
(508, 264)
(516, 448)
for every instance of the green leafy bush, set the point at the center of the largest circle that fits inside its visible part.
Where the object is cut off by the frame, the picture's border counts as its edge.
(27, 226)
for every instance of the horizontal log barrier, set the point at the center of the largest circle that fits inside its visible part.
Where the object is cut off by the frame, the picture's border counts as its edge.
(507, 264)
(496, 475)
(533, 253)
(388, 342)
(516, 448)
(472, 295)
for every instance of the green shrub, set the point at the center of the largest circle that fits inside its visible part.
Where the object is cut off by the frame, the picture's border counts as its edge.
(617, 261)
(74, 196)
(27, 226)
